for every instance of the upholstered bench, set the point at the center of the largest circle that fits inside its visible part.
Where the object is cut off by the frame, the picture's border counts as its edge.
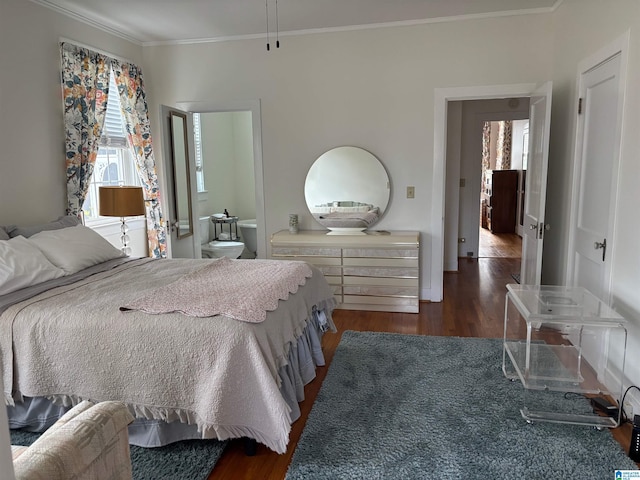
(90, 441)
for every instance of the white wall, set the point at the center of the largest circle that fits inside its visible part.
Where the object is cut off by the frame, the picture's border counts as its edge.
(227, 151)
(518, 149)
(371, 88)
(218, 163)
(245, 191)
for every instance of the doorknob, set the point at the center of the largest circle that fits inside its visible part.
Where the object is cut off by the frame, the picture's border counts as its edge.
(603, 246)
(538, 227)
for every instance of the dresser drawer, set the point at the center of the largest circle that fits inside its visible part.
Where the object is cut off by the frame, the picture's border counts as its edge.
(394, 272)
(382, 291)
(306, 251)
(380, 252)
(333, 280)
(381, 281)
(317, 261)
(365, 300)
(381, 262)
(381, 304)
(330, 270)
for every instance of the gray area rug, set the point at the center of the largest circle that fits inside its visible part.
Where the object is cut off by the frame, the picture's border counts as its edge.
(415, 407)
(186, 460)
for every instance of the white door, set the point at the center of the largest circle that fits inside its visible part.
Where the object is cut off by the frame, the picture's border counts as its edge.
(596, 174)
(181, 193)
(536, 185)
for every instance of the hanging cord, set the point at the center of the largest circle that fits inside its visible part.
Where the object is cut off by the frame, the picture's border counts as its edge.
(277, 27)
(266, 10)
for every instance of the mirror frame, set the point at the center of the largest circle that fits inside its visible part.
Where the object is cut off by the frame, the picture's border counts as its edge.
(180, 158)
(336, 157)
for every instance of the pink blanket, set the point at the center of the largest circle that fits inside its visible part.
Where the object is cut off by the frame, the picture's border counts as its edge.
(240, 289)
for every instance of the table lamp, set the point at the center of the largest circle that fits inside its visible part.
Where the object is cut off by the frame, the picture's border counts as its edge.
(122, 202)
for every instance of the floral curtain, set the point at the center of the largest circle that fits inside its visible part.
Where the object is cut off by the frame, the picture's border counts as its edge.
(134, 108)
(486, 146)
(85, 86)
(503, 147)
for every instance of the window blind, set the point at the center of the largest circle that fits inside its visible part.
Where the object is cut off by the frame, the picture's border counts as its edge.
(197, 138)
(114, 133)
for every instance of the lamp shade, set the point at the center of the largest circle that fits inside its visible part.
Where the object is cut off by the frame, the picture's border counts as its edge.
(121, 201)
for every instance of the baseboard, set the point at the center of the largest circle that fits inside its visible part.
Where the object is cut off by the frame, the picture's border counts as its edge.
(429, 295)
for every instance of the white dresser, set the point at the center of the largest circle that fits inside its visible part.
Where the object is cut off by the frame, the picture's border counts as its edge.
(375, 271)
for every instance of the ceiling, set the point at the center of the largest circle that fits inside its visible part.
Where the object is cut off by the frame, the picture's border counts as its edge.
(183, 21)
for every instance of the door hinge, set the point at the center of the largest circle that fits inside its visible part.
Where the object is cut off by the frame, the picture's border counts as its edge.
(580, 106)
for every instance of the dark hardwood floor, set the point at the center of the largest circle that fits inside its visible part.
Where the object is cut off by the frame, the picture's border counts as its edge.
(473, 306)
(499, 244)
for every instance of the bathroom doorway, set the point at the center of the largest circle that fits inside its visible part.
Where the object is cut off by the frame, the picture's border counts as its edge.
(230, 172)
(225, 166)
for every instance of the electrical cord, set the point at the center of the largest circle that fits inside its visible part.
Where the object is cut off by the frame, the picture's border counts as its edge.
(624, 418)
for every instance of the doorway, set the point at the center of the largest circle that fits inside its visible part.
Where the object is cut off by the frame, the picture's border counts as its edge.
(246, 192)
(503, 175)
(469, 122)
(225, 167)
(446, 187)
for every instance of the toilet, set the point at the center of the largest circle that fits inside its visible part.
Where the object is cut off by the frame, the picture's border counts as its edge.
(249, 234)
(215, 248)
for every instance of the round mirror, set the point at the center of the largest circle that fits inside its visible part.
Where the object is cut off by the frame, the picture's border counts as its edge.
(347, 190)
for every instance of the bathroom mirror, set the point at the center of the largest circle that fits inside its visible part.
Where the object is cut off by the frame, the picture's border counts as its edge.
(181, 174)
(347, 190)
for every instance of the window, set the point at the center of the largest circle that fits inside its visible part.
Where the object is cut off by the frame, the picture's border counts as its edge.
(115, 163)
(197, 140)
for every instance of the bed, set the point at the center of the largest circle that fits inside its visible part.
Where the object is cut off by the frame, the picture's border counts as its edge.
(196, 369)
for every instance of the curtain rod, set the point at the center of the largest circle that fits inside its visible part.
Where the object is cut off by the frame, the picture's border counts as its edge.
(97, 50)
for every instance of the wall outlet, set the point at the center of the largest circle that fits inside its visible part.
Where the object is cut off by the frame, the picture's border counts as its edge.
(411, 192)
(628, 408)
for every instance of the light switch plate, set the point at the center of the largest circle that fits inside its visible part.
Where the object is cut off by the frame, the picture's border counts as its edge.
(411, 192)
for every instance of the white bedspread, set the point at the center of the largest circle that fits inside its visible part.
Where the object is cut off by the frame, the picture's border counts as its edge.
(72, 343)
(238, 289)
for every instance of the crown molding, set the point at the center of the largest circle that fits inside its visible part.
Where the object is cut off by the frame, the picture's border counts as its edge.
(86, 20)
(312, 31)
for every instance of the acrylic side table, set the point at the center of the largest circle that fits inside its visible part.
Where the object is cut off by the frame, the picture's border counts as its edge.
(564, 345)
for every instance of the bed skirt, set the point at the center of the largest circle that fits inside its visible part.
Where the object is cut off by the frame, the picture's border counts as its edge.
(36, 414)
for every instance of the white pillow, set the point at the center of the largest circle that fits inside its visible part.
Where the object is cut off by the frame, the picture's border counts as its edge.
(74, 248)
(23, 265)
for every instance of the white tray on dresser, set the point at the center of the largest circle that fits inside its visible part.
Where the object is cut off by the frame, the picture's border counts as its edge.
(377, 271)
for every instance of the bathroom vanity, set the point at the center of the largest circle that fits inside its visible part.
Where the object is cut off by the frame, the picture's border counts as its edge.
(374, 270)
